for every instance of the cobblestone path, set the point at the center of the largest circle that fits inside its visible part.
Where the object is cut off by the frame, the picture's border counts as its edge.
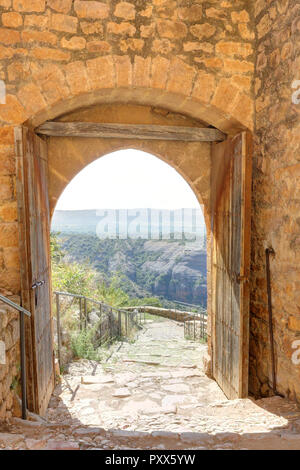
(152, 393)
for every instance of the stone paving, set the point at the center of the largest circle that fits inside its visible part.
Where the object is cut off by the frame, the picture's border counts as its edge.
(153, 394)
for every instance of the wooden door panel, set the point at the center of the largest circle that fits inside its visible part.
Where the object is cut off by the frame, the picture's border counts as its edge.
(231, 217)
(34, 217)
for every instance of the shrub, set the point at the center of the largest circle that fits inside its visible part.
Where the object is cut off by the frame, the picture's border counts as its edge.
(82, 344)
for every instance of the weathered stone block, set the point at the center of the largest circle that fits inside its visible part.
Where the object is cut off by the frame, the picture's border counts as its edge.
(45, 53)
(263, 26)
(171, 29)
(121, 29)
(39, 36)
(12, 19)
(181, 77)
(36, 21)
(123, 69)
(101, 72)
(159, 72)
(5, 3)
(60, 22)
(91, 9)
(29, 5)
(234, 48)
(96, 27)
(205, 30)
(204, 86)
(216, 13)
(9, 36)
(6, 188)
(240, 16)
(75, 43)
(103, 47)
(141, 71)
(132, 44)
(62, 6)
(31, 98)
(9, 235)
(76, 76)
(125, 10)
(8, 211)
(294, 323)
(191, 13)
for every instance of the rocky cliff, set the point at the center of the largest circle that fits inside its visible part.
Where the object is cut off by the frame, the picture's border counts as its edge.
(174, 270)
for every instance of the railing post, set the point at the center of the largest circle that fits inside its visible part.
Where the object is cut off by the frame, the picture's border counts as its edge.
(119, 323)
(85, 312)
(22, 312)
(111, 323)
(100, 324)
(80, 313)
(58, 330)
(23, 366)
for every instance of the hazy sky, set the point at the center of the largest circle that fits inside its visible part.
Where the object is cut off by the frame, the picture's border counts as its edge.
(127, 179)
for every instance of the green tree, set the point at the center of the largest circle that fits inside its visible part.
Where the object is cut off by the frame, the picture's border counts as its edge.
(111, 292)
(147, 301)
(74, 278)
(57, 253)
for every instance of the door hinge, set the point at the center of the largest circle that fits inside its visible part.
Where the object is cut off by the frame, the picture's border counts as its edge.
(37, 284)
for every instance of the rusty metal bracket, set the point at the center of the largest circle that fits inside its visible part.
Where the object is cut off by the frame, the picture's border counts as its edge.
(270, 251)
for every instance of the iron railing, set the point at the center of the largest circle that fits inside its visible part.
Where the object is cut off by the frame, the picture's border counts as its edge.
(195, 323)
(22, 312)
(195, 326)
(112, 322)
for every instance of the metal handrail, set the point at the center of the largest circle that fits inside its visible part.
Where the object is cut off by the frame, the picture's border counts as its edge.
(97, 302)
(22, 312)
(14, 305)
(187, 317)
(85, 316)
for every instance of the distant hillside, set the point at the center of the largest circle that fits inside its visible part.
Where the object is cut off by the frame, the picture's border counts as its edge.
(174, 270)
(145, 223)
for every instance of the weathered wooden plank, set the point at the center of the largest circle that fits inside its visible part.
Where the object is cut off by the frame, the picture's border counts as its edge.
(130, 131)
(33, 209)
(21, 144)
(231, 208)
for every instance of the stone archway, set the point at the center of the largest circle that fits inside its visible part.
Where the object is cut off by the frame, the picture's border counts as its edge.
(193, 160)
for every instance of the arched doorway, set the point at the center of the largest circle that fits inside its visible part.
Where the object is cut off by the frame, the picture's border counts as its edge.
(219, 174)
(135, 197)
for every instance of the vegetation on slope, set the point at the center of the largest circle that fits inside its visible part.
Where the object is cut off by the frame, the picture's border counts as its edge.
(167, 269)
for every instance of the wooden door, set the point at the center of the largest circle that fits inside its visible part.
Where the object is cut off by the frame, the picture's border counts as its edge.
(34, 234)
(231, 224)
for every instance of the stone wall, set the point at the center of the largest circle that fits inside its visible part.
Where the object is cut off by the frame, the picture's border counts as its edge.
(68, 156)
(190, 57)
(276, 196)
(176, 315)
(10, 371)
(57, 55)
